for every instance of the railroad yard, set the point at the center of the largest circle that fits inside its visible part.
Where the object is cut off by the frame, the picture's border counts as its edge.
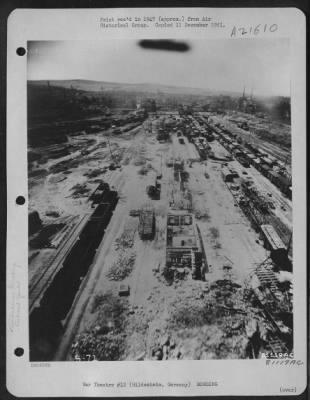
(166, 236)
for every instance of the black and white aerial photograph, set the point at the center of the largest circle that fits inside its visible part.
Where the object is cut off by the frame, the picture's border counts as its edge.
(159, 199)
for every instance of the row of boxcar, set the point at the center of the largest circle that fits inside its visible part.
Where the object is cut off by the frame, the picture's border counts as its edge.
(248, 154)
(256, 209)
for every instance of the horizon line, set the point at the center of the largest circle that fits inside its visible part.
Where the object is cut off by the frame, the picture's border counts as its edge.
(155, 84)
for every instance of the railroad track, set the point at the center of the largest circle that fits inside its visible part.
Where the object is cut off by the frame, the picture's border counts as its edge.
(54, 265)
(272, 150)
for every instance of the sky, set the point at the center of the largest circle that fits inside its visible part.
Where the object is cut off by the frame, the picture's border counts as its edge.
(217, 64)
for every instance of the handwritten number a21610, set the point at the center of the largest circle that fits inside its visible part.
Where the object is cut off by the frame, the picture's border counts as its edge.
(253, 30)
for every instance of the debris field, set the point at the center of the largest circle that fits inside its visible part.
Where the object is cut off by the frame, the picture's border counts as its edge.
(167, 236)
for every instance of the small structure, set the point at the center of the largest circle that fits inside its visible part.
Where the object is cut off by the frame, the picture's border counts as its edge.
(273, 242)
(233, 172)
(271, 238)
(227, 175)
(123, 290)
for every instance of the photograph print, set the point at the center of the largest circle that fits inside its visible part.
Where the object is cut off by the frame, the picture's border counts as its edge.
(160, 199)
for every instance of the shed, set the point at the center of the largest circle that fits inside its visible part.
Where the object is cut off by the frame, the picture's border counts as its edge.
(227, 175)
(233, 172)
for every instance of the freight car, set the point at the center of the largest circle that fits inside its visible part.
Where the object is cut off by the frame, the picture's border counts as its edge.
(282, 182)
(244, 162)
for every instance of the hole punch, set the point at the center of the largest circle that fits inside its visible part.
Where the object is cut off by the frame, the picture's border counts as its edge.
(19, 351)
(20, 200)
(20, 51)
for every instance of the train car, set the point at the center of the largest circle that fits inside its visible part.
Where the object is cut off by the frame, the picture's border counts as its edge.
(285, 185)
(244, 162)
(264, 169)
(282, 182)
(250, 157)
(273, 176)
(268, 161)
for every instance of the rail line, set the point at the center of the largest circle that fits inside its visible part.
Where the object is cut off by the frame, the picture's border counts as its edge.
(38, 288)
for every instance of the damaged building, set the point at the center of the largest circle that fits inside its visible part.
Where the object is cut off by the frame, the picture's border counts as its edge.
(147, 225)
(183, 245)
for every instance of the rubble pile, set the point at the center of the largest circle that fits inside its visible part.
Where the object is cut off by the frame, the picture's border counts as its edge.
(126, 240)
(104, 339)
(211, 321)
(166, 349)
(91, 347)
(122, 267)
